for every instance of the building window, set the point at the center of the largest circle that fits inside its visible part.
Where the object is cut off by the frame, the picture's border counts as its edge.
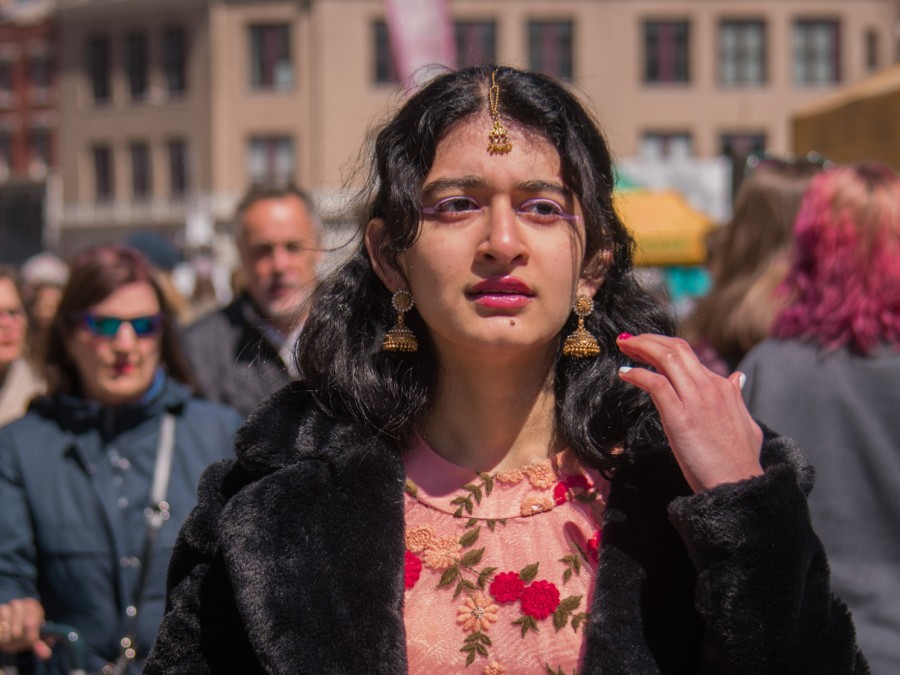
(99, 68)
(667, 52)
(475, 43)
(136, 64)
(39, 152)
(271, 159)
(385, 68)
(742, 144)
(178, 169)
(39, 73)
(270, 57)
(5, 77)
(175, 60)
(666, 145)
(817, 52)
(141, 173)
(872, 60)
(742, 53)
(550, 48)
(103, 173)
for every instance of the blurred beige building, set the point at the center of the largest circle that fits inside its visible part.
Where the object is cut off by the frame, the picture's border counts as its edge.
(170, 108)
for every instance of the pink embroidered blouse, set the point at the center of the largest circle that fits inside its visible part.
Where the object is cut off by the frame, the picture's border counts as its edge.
(499, 567)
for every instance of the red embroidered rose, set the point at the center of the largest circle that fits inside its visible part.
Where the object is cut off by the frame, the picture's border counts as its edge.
(577, 481)
(540, 599)
(506, 587)
(593, 545)
(412, 569)
(559, 493)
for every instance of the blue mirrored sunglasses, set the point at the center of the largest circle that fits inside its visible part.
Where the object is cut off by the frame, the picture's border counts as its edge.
(108, 326)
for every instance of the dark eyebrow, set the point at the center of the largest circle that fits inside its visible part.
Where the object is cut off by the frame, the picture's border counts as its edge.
(545, 186)
(461, 183)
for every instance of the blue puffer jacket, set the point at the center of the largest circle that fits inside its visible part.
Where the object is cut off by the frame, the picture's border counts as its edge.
(74, 482)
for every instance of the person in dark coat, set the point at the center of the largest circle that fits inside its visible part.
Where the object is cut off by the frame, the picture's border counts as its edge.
(76, 470)
(240, 354)
(489, 328)
(829, 376)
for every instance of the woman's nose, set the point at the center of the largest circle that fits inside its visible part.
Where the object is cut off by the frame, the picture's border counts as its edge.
(503, 241)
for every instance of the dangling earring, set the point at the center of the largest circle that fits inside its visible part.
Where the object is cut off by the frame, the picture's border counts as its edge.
(581, 343)
(400, 338)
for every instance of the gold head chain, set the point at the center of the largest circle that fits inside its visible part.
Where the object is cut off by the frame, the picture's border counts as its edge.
(499, 137)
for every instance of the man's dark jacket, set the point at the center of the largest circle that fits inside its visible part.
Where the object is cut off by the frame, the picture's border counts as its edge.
(231, 358)
(293, 563)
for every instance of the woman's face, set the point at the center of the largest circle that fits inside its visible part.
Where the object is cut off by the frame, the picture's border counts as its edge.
(12, 323)
(115, 361)
(499, 260)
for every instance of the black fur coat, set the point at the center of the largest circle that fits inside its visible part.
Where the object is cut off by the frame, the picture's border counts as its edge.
(282, 566)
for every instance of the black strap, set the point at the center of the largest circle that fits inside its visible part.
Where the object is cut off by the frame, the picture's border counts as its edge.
(155, 514)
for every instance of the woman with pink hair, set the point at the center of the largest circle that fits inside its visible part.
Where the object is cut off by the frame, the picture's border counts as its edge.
(829, 377)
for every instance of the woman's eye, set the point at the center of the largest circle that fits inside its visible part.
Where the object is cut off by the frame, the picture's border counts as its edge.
(456, 205)
(544, 210)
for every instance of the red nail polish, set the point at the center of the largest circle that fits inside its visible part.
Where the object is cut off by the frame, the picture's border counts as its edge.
(625, 336)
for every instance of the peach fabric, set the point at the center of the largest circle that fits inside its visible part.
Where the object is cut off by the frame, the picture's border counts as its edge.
(492, 556)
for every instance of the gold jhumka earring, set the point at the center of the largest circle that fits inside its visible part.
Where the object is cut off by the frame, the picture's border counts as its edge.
(581, 343)
(498, 139)
(400, 338)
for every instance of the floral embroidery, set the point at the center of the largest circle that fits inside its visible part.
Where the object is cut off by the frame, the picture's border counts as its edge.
(442, 552)
(511, 476)
(593, 545)
(541, 476)
(507, 587)
(489, 596)
(418, 538)
(411, 570)
(540, 599)
(477, 613)
(535, 504)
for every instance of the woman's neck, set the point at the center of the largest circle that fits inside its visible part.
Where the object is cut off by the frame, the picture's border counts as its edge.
(494, 417)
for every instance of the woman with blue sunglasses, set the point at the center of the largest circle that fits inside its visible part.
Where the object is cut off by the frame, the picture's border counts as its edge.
(110, 456)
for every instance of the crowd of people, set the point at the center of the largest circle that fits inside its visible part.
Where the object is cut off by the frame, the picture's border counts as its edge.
(479, 442)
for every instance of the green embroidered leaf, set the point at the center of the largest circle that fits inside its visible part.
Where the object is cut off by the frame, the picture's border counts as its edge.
(470, 658)
(560, 618)
(488, 484)
(580, 552)
(528, 623)
(470, 585)
(458, 512)
(491, 524)
(502, 521)
(586, 497)
(486, 640)
(577, 620)
(459, 589)
(459, 500)
(577, 563)
(481, 649)
(571, 603)
(484, 576)
(475, 490)
(528, 574)
(469, 538)
(550, 670)
(472, 557)
(567, 574)
(449, 576)
(471, 522)
(472, 638)
(468, 504)
(411, 488)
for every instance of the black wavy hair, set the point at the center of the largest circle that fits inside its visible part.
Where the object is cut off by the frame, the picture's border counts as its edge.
(339, 350)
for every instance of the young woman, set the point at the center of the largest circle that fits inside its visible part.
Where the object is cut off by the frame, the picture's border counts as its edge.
(828, 376)
(466, 478)
(18, 381)
(76, 471)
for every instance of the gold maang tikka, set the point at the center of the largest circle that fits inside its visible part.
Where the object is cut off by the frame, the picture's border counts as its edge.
(581, 343)
(498, 139)
(400, 338)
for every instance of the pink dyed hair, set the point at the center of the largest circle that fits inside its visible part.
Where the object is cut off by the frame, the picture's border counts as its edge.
(844, 280)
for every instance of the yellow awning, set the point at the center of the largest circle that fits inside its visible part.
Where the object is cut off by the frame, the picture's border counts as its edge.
(667, 229)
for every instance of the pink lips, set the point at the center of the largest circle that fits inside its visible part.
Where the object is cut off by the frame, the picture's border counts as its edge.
(501, 293)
